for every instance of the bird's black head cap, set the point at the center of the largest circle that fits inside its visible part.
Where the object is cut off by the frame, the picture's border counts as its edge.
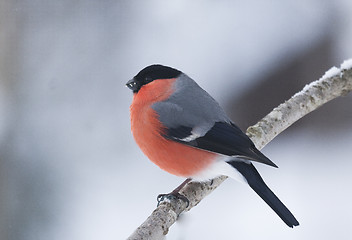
(150, 74)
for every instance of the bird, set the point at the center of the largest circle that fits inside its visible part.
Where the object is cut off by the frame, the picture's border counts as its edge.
(184, 131)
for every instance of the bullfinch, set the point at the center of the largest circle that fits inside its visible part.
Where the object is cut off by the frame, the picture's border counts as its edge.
(184, 131)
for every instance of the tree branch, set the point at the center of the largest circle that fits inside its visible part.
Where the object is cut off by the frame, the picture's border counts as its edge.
(336, 82)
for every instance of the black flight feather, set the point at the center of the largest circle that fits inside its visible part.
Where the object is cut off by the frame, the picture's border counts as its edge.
(256, 182)
(222, 138)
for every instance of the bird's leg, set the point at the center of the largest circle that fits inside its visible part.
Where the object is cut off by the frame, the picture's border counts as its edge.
(175, 193)
(176, 190)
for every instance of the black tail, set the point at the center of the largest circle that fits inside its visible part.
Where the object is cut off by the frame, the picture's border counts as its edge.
(256, 182)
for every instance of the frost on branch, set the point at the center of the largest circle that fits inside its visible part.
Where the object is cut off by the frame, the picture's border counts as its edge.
(334, 83)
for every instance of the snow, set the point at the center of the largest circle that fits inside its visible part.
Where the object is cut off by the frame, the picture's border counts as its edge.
(347, 64)
(306, 88)
(331, 73)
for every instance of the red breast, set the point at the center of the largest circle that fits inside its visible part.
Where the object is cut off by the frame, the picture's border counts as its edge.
(173, 157)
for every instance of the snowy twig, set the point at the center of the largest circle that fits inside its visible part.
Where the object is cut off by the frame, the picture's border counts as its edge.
(336, 82)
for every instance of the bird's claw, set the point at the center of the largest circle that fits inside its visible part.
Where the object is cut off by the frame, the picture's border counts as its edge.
(172, 196)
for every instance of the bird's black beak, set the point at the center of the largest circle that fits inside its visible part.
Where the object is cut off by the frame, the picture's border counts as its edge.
(133, 85)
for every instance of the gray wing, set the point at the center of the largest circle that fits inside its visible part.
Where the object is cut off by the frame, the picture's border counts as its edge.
(192, 117)
(190, 106)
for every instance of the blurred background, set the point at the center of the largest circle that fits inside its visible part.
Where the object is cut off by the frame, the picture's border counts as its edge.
(69, 167)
